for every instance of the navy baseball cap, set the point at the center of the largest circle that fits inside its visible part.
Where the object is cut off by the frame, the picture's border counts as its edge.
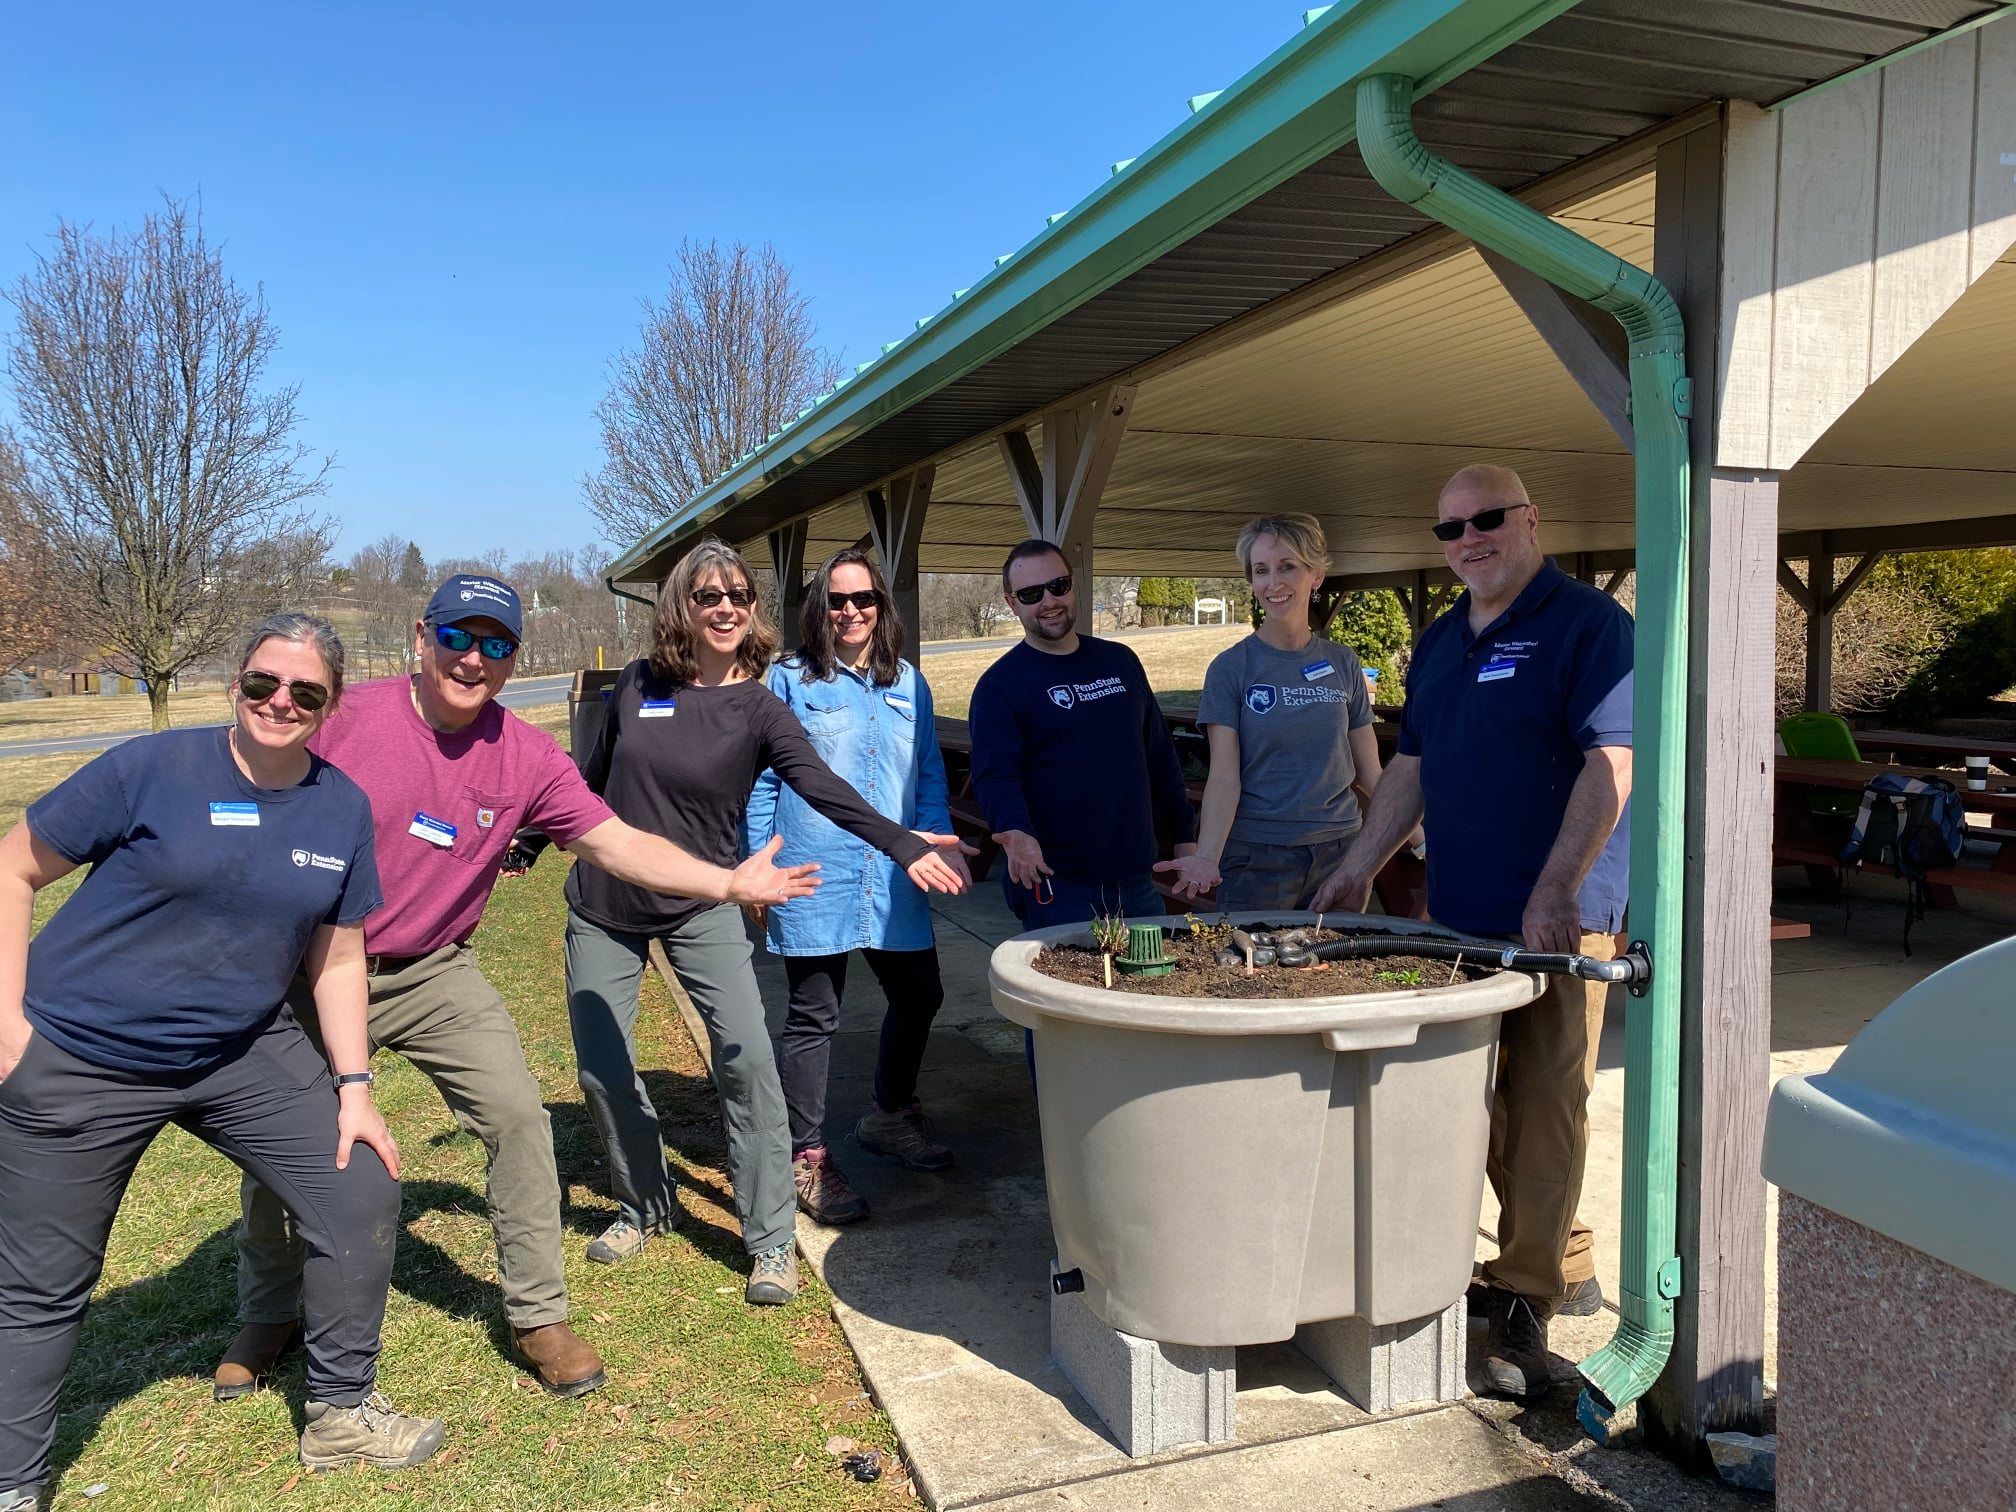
(468, 596)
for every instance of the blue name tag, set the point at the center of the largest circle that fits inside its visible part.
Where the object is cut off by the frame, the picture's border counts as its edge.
(657, 708)
(1496, 671)
(899, 703)
(1318, 669)
(235, 815)
(434, 831)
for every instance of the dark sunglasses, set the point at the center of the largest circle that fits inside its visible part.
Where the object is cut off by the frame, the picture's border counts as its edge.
(260, 686)
(866, 598)
(494, 647)
(1057, 587)
(1486, 521)
(707, 598)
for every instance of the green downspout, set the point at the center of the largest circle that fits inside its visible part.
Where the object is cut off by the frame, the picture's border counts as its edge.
(1625, 1368)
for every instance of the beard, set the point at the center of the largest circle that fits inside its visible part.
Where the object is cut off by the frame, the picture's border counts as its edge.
(1046, 632)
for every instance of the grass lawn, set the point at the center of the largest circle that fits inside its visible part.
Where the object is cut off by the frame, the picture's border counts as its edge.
(1175, 665)
(93, 714)
(710, 1403)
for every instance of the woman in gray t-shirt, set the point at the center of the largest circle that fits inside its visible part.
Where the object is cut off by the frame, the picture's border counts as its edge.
(1289, 723)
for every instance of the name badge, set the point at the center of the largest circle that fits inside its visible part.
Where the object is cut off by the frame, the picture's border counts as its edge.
(235, 815)
(1496, 671)
(434, 831)
(899, 703)
(1318, 669)
(657, 708)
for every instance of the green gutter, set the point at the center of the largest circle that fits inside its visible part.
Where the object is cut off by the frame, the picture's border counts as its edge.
(1235, 145)
(1625, 1368)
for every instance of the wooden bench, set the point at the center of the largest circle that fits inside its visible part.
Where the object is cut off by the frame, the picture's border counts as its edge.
(1823, 865)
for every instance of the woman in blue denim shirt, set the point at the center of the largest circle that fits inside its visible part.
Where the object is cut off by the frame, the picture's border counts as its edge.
(868, 713)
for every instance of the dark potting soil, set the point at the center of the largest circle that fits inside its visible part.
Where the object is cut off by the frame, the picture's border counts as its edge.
(1197, 973)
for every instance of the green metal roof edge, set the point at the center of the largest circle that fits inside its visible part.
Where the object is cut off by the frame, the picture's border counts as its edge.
(1291, 109)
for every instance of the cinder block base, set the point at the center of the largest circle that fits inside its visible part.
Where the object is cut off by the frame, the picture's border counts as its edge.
(1150, 1396)
(1393, 1365)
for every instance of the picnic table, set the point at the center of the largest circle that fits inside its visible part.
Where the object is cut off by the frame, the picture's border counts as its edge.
(1801, 839)
(1943, 750)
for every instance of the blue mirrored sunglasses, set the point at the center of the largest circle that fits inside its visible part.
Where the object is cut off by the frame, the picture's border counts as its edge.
(494, 647)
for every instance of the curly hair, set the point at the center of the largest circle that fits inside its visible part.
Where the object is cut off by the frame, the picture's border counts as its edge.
(674, 637)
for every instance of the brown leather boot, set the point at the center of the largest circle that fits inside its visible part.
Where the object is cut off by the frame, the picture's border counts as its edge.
(565, 1363)
(249, 1360)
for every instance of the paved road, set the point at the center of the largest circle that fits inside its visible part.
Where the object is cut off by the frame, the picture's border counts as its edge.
(527, 693)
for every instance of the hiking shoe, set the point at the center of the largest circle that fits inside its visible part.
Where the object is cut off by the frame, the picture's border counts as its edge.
(1516, 1361)
(249, 1360)
(906, 1137)
(564, 1362)
(623, 1240)
(373, 1432)
(774, 1279)
(1582, 1300)
(823, 1190)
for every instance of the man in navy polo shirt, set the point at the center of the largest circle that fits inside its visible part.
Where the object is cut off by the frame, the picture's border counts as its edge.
(1515, 754)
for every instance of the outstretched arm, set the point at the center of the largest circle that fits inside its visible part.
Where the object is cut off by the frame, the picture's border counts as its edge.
(26, 866)
(652, 861)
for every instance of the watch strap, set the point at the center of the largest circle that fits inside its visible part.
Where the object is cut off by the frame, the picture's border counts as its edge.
(354, 1078)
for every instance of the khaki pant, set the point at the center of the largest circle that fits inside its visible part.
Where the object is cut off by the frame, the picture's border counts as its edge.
(1540, 1133)
(442, 1014)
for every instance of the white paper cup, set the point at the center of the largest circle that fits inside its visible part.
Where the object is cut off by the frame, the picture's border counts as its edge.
(1977, 772)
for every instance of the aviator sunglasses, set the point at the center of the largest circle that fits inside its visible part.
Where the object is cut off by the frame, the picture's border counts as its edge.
(1486, 521)
(707, 598)
(260, 686)
(865, 598)
(1057, 587)
(494, 647)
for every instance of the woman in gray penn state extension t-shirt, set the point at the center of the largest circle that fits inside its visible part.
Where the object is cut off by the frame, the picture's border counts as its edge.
(1289, 723)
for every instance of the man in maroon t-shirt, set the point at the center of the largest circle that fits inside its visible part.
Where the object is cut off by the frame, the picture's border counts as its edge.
(450, 775)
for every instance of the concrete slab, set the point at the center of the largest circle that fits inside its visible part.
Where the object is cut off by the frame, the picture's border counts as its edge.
(943, 1292)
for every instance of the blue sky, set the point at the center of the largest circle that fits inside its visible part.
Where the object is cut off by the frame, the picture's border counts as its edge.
(455, 209)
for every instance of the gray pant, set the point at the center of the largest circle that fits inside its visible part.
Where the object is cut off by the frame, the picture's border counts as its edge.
(1255, 874)
(71, 1134)
(442, 1014)
(712, 956)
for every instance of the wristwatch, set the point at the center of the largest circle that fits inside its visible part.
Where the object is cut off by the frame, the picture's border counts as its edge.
(355, 1078)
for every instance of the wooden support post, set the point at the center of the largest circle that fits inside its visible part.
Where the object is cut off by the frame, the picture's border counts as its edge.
(1714, 1379)
(1820, 631)
(1420, 613)
(787, 562)
(1059, 493)
(896, 522)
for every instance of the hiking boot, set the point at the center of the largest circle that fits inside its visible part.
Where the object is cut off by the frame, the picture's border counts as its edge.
(564, 1362)
(773, 1280)
(623, 1240)
(373, 1432)
(1582, 1300)
(1516, 1361)
(21, 1499)
(906, 1137)
(823, 1191)
(249, 1360)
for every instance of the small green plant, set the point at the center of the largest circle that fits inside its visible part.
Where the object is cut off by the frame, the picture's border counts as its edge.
(1109, 932)
(1408, 978)
(1213, 937)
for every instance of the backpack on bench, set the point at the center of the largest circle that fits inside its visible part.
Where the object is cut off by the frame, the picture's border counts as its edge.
(1913, 824)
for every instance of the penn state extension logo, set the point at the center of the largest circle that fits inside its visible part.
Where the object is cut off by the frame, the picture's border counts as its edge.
(1062, 696)
(300, 858)
(1261, 697)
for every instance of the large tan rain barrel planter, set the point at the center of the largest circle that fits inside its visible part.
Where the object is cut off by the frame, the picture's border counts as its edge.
(1222, 1171)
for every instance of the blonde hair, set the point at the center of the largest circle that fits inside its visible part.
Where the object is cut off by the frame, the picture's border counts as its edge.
(1302, 534)
(673, 637)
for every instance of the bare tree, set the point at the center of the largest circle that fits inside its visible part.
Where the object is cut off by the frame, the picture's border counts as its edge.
(30, 622)
(955, 604)
(727, 358)
(164, 484)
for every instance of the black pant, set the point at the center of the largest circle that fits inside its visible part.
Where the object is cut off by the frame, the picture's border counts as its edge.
(909, 979)
(71, 1134)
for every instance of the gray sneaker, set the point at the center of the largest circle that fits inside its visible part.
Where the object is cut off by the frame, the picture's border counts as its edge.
(373, 1432)
(906, 1137)
(21, 1499)
(623, 1240)
(773, 1280)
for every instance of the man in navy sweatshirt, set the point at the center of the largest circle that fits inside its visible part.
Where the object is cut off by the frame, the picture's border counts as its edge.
(1072, 762)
